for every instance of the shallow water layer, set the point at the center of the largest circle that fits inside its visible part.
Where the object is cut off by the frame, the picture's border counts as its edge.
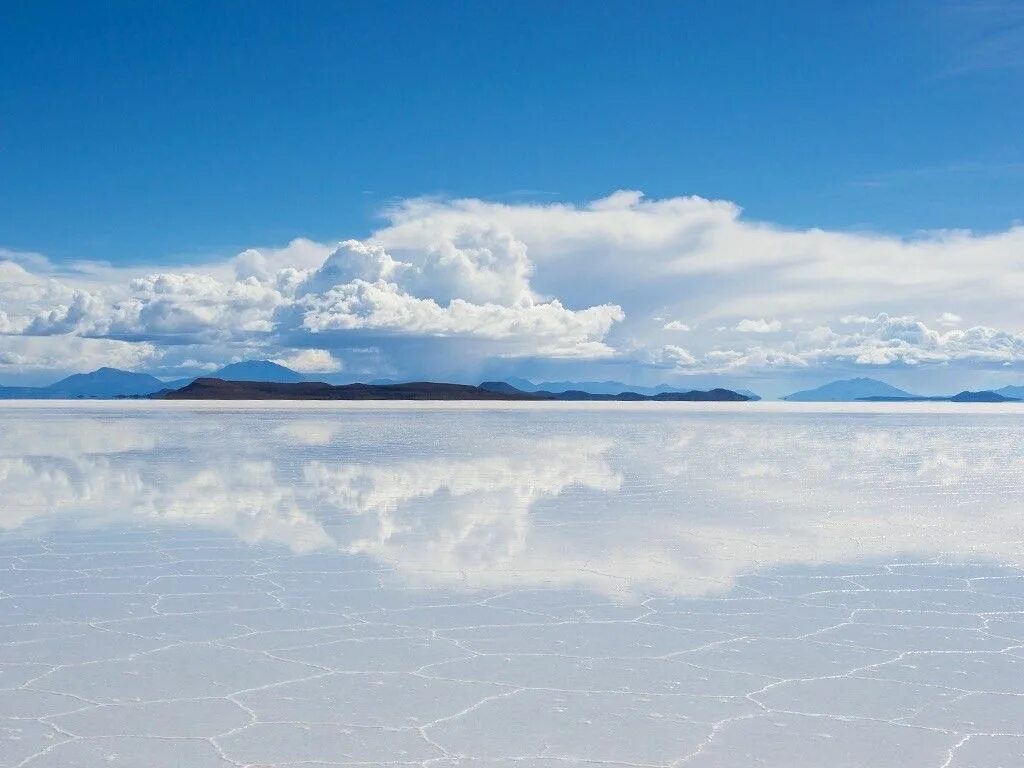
(511, 586)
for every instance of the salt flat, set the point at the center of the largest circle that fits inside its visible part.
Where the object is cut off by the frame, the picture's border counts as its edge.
(493, 585)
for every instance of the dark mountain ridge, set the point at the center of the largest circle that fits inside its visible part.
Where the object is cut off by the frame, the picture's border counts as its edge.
(108, 383)
(984, 396)
(719, 395)
(220, 389)
(603, 387)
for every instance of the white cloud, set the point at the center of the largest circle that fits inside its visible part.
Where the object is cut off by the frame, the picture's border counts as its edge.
(189, 303)
(549, 326)
(677, 357)
(30, 354)
(311, 361)
(627, 240)
(885, 340)
(493, 281)
(759, 326)
(353, 260)
(300, 255)
(880, 341)
(752, 359)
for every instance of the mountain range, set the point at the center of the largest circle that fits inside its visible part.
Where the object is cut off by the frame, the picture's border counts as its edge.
(604, 387)
(1011, 391)
(114, 383)
(872, 390)
(103, 382)
(717, 394)
(847, 390)
(219, 389)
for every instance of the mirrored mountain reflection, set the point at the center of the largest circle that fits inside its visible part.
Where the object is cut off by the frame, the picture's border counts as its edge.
(620, 501)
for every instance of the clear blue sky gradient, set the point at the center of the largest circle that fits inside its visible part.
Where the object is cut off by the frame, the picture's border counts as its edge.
(150, 131)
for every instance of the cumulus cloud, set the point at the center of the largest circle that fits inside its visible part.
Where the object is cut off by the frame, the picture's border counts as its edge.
(311, 361)
(675, 325)
(356, 289)
(752, 359)
(676, 357)
(197, 306)
(383, 306)
(759, 326)
(627, 240)
(350, 261)
(29, 354)
(469, 279)
(882, 340)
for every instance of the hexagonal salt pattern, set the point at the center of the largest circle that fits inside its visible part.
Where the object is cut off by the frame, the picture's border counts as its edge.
(510, 587)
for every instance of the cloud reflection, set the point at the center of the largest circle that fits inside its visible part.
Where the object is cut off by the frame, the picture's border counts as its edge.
(618, 501)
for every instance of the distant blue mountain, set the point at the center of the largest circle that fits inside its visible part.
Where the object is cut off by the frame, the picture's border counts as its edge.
(101, 383)
(593, 387)
(106, 382)
(501, 387)
(258, 370)
(179, 383)
(985, 396)
(848, 390)
(1016, 392)
(111, 382)
(604, 387)
(523, 385)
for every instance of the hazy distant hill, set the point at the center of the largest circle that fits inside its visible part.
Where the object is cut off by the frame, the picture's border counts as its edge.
(748, 394)
(258, 370)
(1016, 392)
(247, 370)
(604, 387)
(848, 390)
(711, 395)
(594, 387)
(179, 383)
(101, 383)
(107, 382)
(693, 395)
(984, 396)
(112, 382)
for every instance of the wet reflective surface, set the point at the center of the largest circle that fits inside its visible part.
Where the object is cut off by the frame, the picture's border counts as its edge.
(511, 586)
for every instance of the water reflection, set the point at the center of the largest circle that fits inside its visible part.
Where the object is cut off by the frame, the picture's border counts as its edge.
(620, 501)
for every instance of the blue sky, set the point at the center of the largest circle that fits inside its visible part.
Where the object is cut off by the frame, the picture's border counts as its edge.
(177, 135)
